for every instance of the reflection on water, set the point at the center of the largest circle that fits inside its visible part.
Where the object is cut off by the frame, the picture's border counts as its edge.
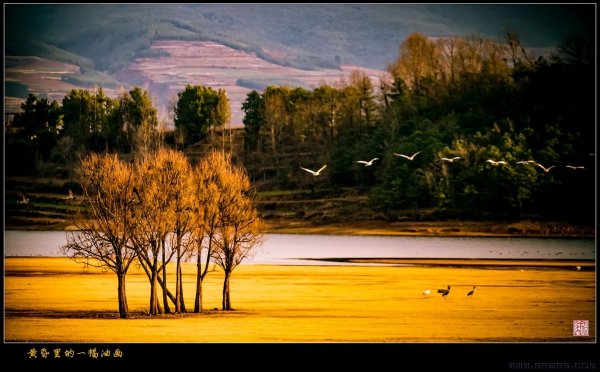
(291, 249)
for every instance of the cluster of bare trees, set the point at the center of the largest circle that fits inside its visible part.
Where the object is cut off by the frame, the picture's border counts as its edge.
(452, 59)
(159, 209)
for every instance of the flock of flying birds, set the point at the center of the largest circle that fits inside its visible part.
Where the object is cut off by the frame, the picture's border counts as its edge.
(25, 200)
(450, 160)
(446, 292)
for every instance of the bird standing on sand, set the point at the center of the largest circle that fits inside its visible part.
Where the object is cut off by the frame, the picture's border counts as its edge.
(25, 200)
(426, 291)
(366, 163)
(451, 159)
(471, 292)
(545, 169)
(444, 292)
(408, 157)
(313, 172)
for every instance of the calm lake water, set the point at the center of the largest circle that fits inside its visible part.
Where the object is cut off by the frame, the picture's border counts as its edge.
(292, 249)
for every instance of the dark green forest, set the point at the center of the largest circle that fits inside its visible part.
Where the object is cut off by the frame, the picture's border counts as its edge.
(522, 126)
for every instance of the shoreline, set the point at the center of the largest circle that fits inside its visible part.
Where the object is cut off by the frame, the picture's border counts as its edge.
(448, 228)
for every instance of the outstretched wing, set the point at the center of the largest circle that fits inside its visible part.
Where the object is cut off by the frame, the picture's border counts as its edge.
(372, 160)
(361, 161)
(415, 154)
(70, 193)
(323, 167)
(308, 170)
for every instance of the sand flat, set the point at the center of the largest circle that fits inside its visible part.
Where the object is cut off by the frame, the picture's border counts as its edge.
(56, 300)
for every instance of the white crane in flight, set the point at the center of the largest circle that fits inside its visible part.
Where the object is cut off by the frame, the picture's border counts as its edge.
(494, 163)
(451, 159)
(408, 157)
(313, 172)
(367, 163)
(545, 169)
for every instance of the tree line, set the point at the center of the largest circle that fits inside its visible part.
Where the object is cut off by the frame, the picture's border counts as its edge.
(159, 209)
(471, 97)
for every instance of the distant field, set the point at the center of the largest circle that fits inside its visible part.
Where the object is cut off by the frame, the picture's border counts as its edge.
(191, 62)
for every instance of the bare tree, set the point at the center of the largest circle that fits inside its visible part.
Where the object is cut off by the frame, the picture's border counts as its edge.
(206, 194)
(155, 177)
(181, 215)
(239, 227)
(103, 236)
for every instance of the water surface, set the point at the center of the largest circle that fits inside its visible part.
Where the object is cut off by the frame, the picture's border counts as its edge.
(294, 249)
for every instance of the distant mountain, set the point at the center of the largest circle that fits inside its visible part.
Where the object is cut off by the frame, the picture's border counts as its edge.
(239, 47)
(314, 35)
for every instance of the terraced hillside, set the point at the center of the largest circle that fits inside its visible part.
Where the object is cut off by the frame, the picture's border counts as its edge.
(47, 209)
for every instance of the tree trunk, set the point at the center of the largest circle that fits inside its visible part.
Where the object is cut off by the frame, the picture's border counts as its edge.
(182, 308)
(160, 281)
(164, 287)
(198, 300)
(226, 295)
(123, 308)
(153, 295)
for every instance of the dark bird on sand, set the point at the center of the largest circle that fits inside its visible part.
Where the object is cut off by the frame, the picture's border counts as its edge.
(471, 292)
(444, 292)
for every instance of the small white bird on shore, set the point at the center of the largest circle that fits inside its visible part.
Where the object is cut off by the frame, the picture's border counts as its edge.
(313, 172)
(408, 157)
(426, 291)
(367, 163)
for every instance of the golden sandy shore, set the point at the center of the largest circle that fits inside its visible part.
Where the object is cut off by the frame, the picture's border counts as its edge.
(56, 300)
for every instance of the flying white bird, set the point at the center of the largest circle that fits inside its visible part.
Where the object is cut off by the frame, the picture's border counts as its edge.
(545, 169)
(71, 196)
(313, 172)
(25, 200)
(366, 163)
(526, 162)
(575, 167)
(408, 157)
(426, 291)
(451, 160)
(496, 162)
